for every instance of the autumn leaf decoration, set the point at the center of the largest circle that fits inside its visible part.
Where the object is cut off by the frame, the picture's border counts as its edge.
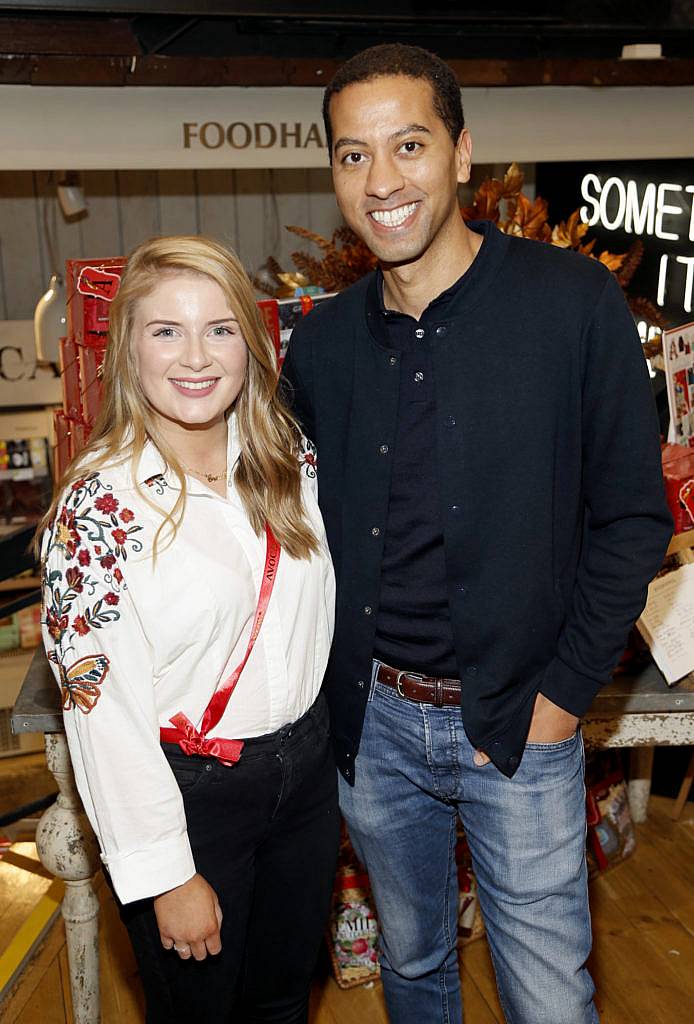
(503, 202)
(345, 258)
(514, 214)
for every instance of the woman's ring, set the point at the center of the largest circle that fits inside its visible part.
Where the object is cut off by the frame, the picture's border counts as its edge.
(182, 949)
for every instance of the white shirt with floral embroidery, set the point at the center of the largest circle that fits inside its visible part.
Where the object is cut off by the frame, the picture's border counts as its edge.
(133, 641)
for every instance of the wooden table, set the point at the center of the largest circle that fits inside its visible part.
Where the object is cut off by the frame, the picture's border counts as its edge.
(638, 711)
(641, 711)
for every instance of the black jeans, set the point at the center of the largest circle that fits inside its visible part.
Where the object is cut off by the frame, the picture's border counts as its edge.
(264, 835)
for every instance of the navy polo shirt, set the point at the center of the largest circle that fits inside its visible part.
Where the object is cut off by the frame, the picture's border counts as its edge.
(413, 625)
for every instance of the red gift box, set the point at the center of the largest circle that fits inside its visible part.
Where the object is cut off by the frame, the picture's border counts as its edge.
(71, 435)
(91, 287)
(269, 312)
(678, 470)
(70, 370)
(90, 361)
(63, 443)
(80, 435)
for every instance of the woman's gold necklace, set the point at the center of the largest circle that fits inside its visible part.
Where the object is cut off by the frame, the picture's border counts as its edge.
(210, 477)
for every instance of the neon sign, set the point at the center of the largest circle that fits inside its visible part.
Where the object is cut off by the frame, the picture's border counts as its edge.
(662, 210)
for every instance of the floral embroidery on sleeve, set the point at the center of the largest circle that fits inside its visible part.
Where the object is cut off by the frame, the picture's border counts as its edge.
(94, 532)
(308, 457)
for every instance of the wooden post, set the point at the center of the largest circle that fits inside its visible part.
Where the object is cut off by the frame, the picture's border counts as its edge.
(641, 764)
(68, 849)
(684, 790)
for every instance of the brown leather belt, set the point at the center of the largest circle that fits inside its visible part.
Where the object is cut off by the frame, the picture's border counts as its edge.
(442, 693)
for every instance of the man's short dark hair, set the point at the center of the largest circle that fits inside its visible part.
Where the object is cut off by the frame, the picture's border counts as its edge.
(398, 59)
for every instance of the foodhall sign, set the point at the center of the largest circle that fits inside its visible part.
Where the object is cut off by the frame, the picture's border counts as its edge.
(90, 128)
(649, 200)
(256, 135)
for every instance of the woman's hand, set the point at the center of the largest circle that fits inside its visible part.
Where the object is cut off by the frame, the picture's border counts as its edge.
(189, 919)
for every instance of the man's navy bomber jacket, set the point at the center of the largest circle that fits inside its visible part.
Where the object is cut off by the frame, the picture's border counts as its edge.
(552, 500)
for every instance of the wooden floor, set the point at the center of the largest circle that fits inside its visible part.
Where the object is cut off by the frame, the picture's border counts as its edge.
(643, 959)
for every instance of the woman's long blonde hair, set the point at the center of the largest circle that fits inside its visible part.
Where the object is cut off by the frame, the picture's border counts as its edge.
(267, 475)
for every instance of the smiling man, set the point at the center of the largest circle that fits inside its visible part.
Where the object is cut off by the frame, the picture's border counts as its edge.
(489, 474)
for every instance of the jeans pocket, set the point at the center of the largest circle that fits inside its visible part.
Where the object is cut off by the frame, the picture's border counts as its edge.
(556, 747)
(188, 771)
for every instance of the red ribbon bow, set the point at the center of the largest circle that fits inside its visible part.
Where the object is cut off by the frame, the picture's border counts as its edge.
(193, 742)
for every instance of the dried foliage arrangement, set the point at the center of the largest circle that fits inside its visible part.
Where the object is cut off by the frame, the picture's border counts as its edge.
(345, 258)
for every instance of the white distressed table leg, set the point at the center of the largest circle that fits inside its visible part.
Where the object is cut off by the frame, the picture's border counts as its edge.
(68, 849)
(641, 770)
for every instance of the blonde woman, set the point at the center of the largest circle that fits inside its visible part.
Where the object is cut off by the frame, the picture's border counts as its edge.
(189, 600)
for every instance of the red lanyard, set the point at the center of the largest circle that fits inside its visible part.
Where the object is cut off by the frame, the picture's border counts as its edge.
(189, 739)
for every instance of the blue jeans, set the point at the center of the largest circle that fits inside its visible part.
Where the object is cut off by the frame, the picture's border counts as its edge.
(414, 775)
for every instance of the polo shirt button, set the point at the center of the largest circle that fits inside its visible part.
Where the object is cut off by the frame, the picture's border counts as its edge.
(384, 449)
(393, 360)
(348, 757)
(361, 684)
(461, 589)
(367, 609)
(471, 670)
(441, 330)
(419, 333)
(419, 377)
(455, 509)
(347, 773)
(375, 531)
(450, 421)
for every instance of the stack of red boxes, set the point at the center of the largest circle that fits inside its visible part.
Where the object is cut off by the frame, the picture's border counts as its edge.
(91, 287)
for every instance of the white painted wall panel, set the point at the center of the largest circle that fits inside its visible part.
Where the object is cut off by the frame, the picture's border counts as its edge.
(102, 230)
(22, 274)
(217, 205)
(178, 202)
(140, 216)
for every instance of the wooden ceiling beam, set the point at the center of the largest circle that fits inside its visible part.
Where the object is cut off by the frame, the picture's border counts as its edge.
(68, 37)
(136, 70)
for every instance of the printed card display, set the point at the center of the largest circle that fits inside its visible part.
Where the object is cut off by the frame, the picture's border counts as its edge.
(678, 356)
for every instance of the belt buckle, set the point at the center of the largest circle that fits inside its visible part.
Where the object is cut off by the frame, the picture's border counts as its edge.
(410, 675)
